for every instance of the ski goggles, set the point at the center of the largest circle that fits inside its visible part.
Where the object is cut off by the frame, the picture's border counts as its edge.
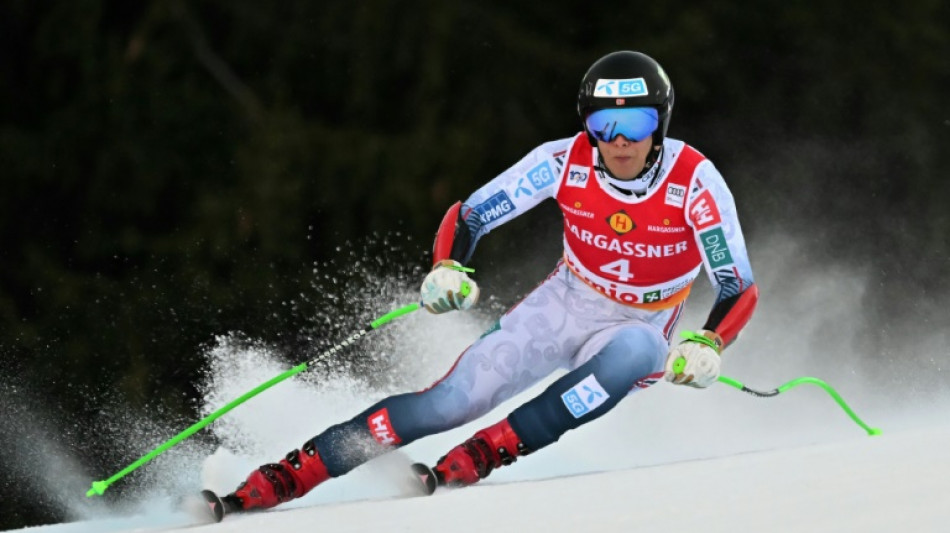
(634, 123)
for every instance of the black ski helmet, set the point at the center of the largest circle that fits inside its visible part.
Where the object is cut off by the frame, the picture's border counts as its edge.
(626, 79)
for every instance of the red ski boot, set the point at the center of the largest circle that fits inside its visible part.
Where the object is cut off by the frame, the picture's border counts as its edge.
(475, 458)
(276, 483)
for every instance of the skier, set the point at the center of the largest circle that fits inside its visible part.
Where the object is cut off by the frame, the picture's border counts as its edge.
(642, 214)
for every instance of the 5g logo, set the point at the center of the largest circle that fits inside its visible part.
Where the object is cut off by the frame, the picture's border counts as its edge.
(620, 88)
(541, 176)
(632, 87)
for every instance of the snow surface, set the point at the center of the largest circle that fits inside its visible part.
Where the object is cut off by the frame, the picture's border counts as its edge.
(893, 482)
(666, 459)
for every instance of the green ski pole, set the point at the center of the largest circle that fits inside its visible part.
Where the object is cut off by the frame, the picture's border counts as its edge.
(680, 364)
(99, 487)
(794, 383)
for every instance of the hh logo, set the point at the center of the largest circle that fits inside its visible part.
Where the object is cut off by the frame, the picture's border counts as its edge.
(584, 397)
(382, 428)
(577, 175)
(621, 222)
(620, 88)
(704, 211)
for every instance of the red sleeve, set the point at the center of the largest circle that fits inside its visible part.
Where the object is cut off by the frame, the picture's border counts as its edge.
(445, 237)
(729, 316)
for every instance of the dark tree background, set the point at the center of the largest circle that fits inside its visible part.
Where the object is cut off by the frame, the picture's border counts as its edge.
(172, 170)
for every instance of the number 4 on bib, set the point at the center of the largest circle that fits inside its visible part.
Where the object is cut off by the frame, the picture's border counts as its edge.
(619, 268)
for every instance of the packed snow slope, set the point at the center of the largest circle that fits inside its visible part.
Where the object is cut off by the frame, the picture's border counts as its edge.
(896, 481)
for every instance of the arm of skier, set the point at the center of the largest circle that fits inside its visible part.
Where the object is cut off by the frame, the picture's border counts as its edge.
(516, 190)
(711, 211)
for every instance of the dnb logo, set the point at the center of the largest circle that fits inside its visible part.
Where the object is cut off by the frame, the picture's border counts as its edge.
(621, 222)
(497, 206)
(584, 397)
(714, 245)
(625, 88)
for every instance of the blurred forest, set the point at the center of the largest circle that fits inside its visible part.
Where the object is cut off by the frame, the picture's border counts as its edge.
(175, 170)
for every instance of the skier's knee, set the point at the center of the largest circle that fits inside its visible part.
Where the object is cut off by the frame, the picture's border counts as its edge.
(632, 354)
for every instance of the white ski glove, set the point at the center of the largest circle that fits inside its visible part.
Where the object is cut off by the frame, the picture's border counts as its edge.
(695, 361)
(448, 287)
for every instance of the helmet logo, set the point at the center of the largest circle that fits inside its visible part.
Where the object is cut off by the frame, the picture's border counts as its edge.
(621, 101)
(605, 88)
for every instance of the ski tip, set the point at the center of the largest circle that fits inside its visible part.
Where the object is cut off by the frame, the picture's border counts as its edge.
(426, 476)
(215, 505)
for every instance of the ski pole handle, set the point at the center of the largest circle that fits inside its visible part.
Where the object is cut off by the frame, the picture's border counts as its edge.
(679, 365)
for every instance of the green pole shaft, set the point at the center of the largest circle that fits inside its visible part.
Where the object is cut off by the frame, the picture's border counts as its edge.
(794, 383)
(99, 487)
(394, 314)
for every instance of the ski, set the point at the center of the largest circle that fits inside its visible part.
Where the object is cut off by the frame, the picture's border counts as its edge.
(428, 478)
(211, 508)
(214, 508)
(217, 507)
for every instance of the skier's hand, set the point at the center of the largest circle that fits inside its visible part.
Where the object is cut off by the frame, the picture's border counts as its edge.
(448, 287)
(695, 361)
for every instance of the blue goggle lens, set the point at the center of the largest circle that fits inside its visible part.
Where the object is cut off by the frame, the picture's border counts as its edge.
(634, 123)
